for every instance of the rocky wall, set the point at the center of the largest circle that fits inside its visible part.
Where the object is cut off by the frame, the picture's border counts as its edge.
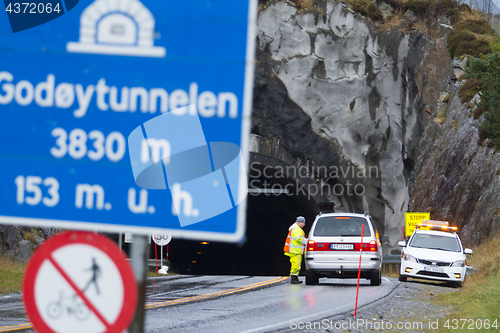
(457, 178)
(348, 97)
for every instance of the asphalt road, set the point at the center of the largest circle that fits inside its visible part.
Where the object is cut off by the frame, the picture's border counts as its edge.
(230, 303)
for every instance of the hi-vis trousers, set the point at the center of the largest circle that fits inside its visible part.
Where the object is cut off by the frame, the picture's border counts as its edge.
(295, 262)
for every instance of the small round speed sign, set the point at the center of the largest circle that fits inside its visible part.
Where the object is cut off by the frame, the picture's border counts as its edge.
(161, 239)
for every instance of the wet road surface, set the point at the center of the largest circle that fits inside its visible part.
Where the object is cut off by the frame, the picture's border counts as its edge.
(230, 303)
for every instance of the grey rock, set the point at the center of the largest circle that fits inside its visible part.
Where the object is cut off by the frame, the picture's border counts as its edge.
(410, 16)
(24, 251)
(456, 177)
(10, 236)
(446, 26)
(459, 73)
(385, 9)
(464, 63)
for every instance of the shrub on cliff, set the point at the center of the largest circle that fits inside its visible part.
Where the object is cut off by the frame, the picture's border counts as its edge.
(471, 36)
(487, 70)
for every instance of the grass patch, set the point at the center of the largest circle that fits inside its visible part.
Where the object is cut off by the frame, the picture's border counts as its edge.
(441, 117)
(29, 236)
(472, 35)
(367, 8)
(469, 89)
(11, 275)
(479, 298)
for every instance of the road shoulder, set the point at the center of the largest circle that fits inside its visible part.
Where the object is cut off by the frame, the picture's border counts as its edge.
(409, 308)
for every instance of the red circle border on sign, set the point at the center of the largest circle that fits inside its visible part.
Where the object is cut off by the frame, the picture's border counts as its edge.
(44, 251)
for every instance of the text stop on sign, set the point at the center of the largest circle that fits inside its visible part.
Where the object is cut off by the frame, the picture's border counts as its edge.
(79, 282)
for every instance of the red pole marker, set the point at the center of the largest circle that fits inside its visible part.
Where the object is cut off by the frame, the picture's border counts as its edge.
(359, 269)
(156, 260)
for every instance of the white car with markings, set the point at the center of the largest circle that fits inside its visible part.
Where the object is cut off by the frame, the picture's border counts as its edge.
(435, 254)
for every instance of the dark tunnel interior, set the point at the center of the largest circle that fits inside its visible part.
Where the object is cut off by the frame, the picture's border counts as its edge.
(268, 218)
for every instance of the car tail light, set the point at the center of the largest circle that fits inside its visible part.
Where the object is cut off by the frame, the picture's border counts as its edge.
(310, 246)
(372, 246)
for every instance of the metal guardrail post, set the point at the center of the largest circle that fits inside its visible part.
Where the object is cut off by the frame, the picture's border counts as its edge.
(138, 256)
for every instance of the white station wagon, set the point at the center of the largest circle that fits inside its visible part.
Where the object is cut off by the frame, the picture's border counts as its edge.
(334, 245)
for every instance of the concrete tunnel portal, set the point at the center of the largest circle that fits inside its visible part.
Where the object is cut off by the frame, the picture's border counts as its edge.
(268, 217)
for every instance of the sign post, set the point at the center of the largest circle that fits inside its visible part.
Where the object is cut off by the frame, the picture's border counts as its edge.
(85, 106)
(138, 256)
(161, 240)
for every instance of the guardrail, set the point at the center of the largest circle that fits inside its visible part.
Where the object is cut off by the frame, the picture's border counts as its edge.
(152, 262)
(391, 259)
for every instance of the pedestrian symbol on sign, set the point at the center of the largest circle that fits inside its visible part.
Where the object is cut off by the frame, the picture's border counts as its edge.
(96, 272)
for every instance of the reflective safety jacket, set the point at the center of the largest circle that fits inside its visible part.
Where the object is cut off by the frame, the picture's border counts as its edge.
(295, 240)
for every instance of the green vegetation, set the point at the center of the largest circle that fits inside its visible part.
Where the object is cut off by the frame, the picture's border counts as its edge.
(483, 76)
(29, 236)
(441, 117)
(478, 301)
(11, 275)
(471, 36)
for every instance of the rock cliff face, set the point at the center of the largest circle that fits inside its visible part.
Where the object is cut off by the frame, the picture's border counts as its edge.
(458, 179)
(348, 98)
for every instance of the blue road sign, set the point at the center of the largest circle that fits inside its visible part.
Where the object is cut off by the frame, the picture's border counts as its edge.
(128, 115)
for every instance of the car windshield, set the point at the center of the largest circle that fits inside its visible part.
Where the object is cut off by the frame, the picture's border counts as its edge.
(435, 242)
(341, 226)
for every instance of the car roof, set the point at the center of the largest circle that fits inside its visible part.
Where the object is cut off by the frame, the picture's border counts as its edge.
(436, 232)
(343, 214)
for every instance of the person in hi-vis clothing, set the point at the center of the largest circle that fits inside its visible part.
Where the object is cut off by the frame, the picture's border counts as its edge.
(295, 247)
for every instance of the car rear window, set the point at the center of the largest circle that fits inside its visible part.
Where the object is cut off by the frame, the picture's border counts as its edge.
(341, 226)
(435, 242)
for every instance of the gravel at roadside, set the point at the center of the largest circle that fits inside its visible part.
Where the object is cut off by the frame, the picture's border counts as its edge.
(408, 308)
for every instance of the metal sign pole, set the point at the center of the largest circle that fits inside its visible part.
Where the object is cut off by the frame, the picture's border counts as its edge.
(161, 261)
(138, 256)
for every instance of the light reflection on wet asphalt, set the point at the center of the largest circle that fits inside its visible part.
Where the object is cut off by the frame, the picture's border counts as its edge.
(263, 306)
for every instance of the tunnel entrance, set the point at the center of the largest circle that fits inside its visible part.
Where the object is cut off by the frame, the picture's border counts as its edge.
(268, 218)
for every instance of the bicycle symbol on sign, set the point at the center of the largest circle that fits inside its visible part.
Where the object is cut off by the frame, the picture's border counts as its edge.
(71, 303)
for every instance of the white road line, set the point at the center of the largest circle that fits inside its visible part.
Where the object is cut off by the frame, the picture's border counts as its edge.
(316, 316)
(301, 319)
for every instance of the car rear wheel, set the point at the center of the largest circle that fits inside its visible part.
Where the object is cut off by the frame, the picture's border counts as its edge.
(402, 278)
(376, 278)
(311, 278)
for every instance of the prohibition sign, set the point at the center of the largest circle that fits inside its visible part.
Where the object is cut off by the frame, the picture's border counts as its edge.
(79, 282)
